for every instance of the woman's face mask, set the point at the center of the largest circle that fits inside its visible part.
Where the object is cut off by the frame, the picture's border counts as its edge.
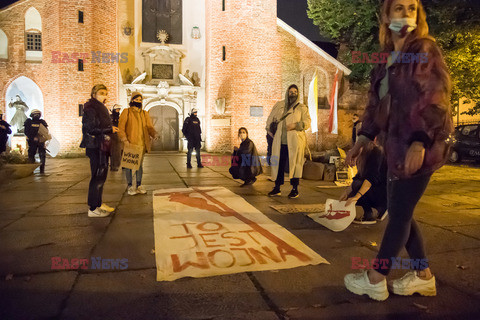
(402, 26)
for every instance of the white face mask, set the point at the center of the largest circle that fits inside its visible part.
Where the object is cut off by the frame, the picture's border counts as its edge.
(402, 26)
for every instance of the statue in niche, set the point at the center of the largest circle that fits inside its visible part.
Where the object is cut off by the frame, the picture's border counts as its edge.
(19, 117)
(128, 76)
(196, 79)
(187, 75)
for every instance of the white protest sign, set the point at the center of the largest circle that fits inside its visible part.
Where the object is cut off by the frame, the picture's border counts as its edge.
(336, 217)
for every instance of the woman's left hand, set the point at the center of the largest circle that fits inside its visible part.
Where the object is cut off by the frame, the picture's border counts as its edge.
(291, 126)
(414, 158)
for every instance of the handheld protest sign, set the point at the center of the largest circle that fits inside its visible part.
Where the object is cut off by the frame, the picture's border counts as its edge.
(52, 147)
(132, 157)
(336, 217)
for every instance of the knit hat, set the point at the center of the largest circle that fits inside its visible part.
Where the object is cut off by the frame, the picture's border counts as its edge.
(35, 111)
(135, 94)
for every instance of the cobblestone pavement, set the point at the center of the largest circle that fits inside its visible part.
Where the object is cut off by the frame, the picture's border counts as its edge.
(46, 216)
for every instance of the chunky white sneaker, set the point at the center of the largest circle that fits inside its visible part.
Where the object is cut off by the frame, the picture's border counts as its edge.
(106, 208)
(359, 283)
(141, 190)
(411, 283)
(98, 213)
(132, 190)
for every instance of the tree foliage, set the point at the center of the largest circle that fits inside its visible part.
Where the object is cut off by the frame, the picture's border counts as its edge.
(353, 25)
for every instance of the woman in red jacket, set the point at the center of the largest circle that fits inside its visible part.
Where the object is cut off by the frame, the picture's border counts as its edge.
(409, 112)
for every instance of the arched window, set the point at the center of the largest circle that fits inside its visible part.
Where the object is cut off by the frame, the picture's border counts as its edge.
(33, 35)
(3, 45)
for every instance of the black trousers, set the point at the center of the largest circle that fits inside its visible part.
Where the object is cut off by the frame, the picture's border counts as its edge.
(197, 151)
(99, 171)
(402, 231)
(283, 161)
(369, 200)
(33, 147)
(269, 148)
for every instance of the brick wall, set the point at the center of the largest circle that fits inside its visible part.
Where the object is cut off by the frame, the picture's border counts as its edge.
(251, 73)
(63, 87)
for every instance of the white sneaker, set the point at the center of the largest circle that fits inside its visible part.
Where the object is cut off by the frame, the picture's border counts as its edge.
(132, 191)
(106, 208)
(141, 190)
(411, 283)
(359, 283)
(98, 213)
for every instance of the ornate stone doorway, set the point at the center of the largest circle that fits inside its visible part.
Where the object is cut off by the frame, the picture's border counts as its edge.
(165, 121)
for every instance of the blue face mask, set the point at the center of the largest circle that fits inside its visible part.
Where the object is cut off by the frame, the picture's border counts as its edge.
(402, 26)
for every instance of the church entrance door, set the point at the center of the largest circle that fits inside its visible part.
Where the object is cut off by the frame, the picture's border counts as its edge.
(165, 121)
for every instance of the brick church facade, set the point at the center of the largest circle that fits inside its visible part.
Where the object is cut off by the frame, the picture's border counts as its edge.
(240, 59)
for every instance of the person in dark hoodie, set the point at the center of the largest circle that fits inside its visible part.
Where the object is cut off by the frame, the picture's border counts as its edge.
(289, 140)
(116, 149)
(35, 141)
(97, 128)
(4, 132)
(245, 161)
(193, 132)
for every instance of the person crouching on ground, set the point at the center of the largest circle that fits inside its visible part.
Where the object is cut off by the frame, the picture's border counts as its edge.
(369, 186)
(136, 128)
(409, 105)
(246, 162)
(289, 141)
(35, 141)
(96, 129)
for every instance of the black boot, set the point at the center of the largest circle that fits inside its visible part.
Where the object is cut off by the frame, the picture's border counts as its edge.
(189, 166)
(42, 169)
(275, 192)
(294, 193)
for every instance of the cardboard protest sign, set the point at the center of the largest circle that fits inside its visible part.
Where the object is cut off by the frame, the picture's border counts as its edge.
(208, 231)
(132, 157)
(336, 217)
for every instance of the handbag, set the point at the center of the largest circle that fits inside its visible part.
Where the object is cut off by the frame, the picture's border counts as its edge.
(274, 124)
(312, 170)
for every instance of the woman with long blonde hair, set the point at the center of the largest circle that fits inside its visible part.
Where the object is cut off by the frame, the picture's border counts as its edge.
(408, 110)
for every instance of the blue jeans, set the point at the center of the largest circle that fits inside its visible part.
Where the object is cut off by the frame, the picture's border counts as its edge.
(129, 175)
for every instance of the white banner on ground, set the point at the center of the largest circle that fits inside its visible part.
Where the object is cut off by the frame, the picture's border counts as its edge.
(336, 216)
(208, 231)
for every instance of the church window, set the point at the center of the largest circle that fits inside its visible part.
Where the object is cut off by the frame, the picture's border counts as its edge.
(33, 35)
(80, 16)
(224, 53)
(3, 45)
(160, 15)
(34, 41)
(223, 5)
(80, 64)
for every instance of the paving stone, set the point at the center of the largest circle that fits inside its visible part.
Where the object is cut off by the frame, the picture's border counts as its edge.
(36, 296)
(136, 295)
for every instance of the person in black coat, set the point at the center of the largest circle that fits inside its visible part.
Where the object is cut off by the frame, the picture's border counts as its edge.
(35, 141)
(97, 128)
(116, 149)
(245, 160)
(193, 132)
(4, 132)
(369, 186)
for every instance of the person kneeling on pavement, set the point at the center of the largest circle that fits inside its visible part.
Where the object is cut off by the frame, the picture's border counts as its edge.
(136, 128)
(369, 186)
(245, 160)
(36, 137)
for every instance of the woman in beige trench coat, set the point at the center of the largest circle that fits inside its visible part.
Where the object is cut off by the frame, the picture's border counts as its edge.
(289, 141)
